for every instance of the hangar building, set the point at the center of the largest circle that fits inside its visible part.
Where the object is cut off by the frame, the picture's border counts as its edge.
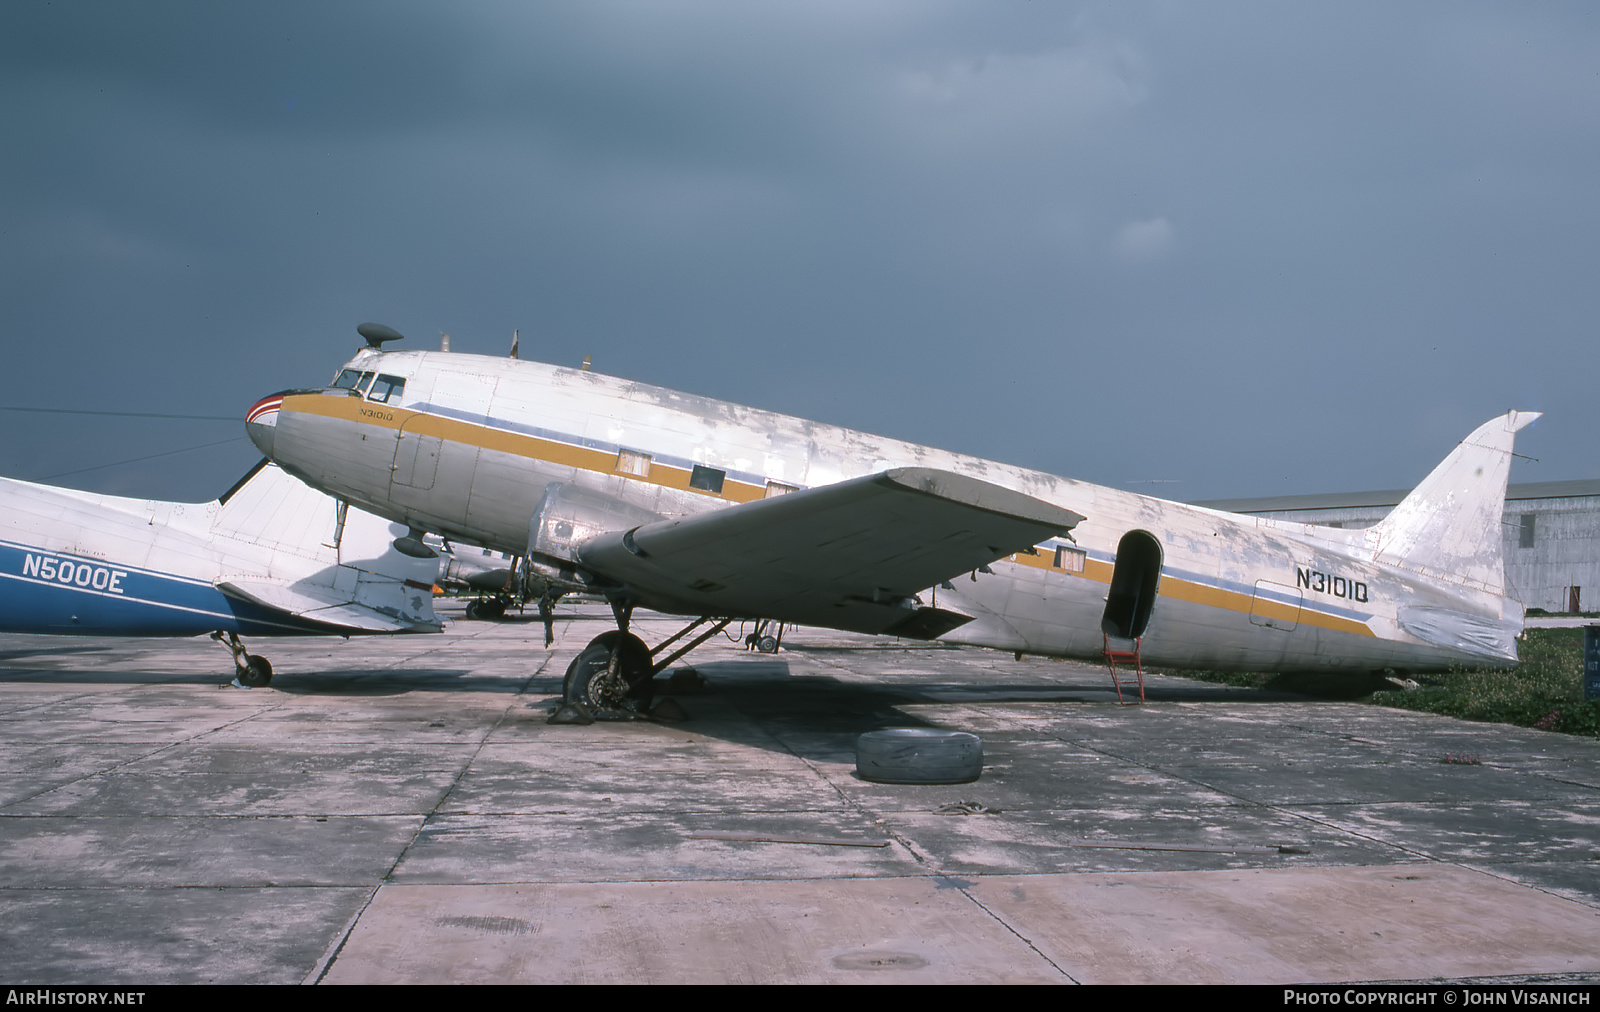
(1551, 528)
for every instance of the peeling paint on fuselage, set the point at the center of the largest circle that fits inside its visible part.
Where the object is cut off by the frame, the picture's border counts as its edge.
(508, 428)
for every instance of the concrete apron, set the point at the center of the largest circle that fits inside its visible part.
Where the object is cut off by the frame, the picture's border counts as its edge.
(1213, 927)
(399, 811)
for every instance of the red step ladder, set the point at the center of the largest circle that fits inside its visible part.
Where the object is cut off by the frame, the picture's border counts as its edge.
(1119, 678)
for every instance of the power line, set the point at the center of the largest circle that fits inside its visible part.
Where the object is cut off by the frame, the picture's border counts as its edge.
(135, 460)
(121, 414)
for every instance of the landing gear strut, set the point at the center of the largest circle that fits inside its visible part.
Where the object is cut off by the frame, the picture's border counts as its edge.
(547, 614)
(252, 670)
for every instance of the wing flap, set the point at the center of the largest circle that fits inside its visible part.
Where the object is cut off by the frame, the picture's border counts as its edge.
(847, 556)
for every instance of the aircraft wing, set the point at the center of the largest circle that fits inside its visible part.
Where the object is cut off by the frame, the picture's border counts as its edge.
(847, 556)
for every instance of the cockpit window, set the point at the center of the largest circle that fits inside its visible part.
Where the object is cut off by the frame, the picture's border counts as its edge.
(356, 382)
(387, 389)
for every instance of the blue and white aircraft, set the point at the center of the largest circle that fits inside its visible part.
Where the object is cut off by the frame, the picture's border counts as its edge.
(271, 557)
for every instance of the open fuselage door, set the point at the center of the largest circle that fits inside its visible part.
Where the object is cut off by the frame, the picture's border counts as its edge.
(1134, 580)
(1135, 577)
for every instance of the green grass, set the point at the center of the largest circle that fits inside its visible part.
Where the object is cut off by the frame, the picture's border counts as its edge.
(1545, 690)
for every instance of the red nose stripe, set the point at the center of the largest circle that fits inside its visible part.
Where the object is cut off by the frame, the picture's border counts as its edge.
(268, 406)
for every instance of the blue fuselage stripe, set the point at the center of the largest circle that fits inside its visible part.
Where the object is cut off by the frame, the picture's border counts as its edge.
(53, 592)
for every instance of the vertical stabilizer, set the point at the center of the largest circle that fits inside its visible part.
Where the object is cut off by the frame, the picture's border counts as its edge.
(1448, 528)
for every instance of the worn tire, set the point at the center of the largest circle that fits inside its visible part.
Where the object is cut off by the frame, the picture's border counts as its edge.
(919, 755)
(584, 672)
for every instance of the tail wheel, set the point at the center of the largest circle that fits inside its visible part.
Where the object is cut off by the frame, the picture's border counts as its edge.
(257, 671)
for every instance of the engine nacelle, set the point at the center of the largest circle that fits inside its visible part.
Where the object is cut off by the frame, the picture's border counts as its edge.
(569, 515)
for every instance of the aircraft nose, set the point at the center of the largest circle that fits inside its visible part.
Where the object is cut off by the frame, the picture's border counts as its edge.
(261, 422)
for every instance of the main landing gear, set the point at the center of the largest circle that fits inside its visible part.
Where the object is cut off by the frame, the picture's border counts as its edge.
(487, 608)
(613, 677)
(766, 638)
(253, 670)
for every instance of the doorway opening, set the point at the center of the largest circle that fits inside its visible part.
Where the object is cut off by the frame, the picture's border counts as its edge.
(1134, 580)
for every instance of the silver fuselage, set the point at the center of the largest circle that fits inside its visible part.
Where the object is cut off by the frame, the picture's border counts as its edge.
(467, 446)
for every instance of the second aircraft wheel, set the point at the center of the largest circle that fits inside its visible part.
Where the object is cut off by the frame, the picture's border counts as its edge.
(256, 673)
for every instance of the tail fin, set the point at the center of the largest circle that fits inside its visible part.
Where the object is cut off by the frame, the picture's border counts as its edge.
(1448, 528)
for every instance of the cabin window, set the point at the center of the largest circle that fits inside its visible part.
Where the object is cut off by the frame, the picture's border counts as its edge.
(780, 488)
(634, 463)
(707, 479)
(387, 389)
(1069, 560)
(1525, 535)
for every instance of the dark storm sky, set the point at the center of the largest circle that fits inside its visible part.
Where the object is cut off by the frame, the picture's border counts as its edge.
(1196, 250)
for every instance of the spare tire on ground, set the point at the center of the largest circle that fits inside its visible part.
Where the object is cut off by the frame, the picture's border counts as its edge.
(919, 755)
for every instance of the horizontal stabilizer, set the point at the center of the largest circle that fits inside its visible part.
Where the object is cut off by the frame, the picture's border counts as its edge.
(847, 556)
(382, 606)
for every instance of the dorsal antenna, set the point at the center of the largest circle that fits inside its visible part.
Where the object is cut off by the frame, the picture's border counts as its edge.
(377, 333)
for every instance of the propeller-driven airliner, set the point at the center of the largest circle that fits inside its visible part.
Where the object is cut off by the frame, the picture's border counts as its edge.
(719, 512)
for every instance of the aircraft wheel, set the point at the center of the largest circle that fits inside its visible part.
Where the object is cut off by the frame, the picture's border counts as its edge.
(919, 755)
(767, 645)
(257, 671)
(586, 676)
